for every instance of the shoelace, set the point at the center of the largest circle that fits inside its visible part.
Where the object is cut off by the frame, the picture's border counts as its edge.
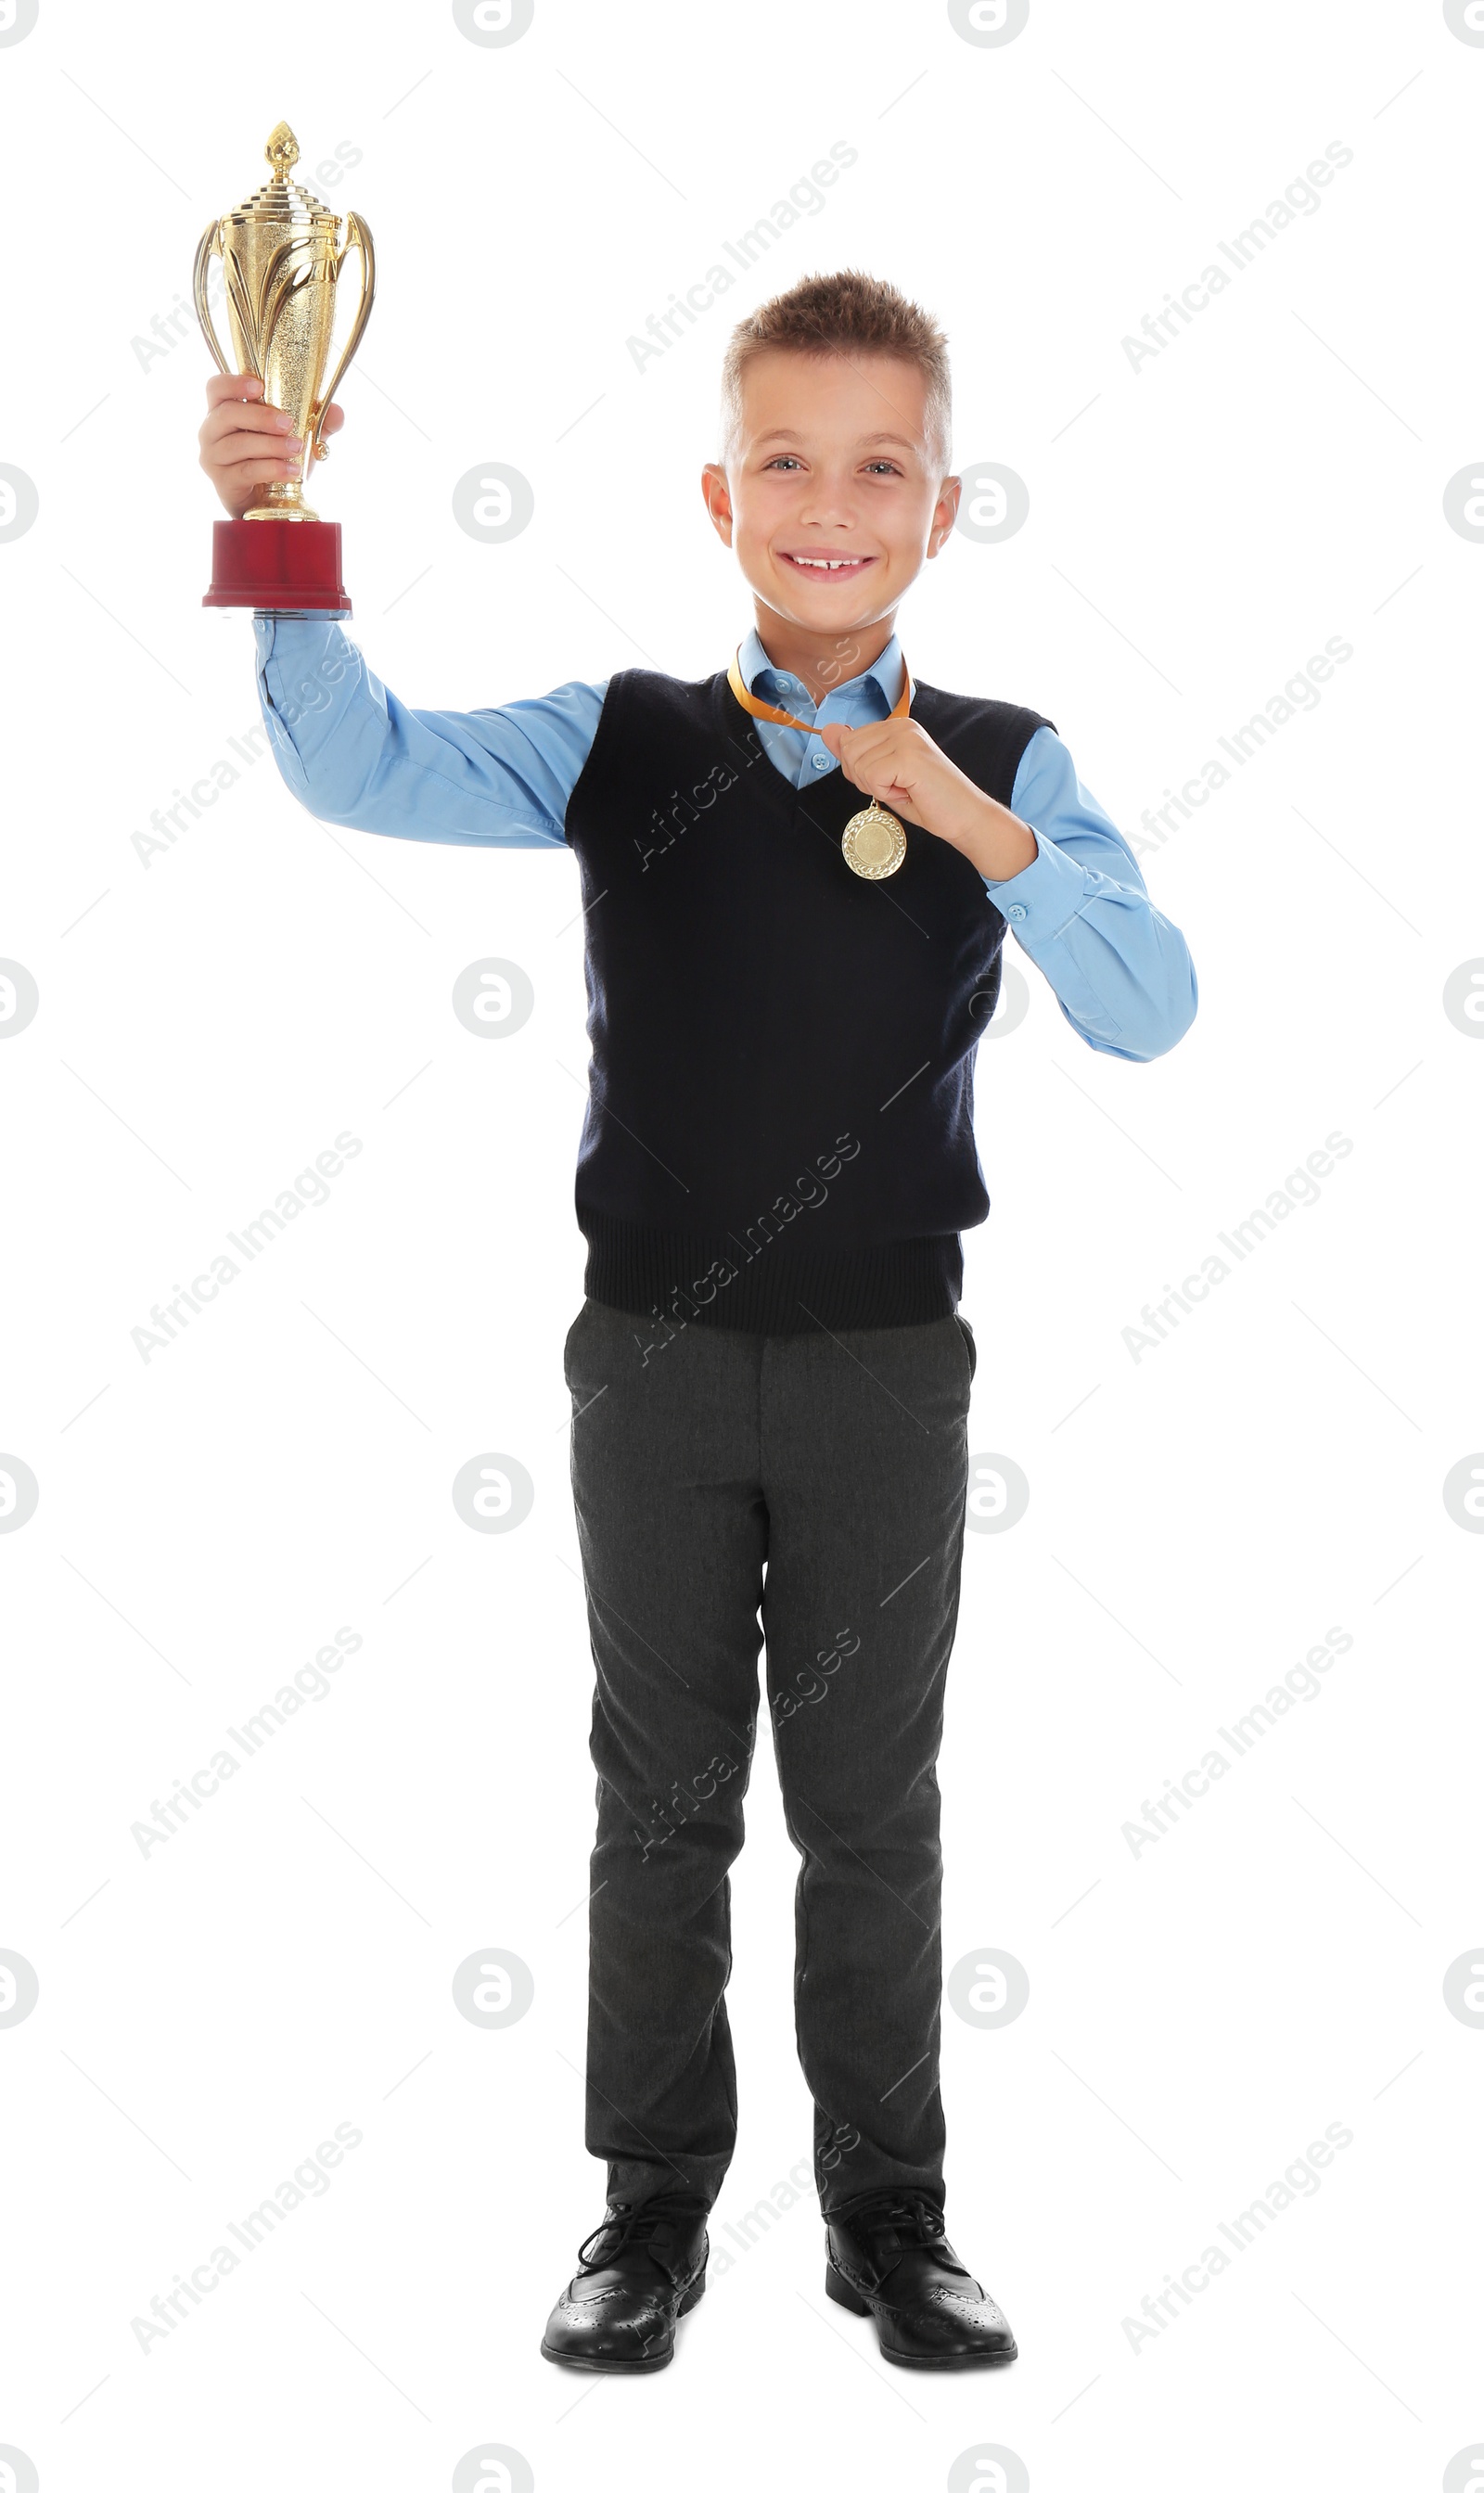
(918, 2219)
(630, 2227)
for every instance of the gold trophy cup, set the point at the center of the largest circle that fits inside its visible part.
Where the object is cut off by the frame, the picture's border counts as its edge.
(282, 256)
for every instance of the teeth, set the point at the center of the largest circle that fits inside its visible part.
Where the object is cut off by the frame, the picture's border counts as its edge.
(818, 562)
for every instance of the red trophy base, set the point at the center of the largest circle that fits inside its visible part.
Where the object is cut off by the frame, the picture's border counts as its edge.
(278, 564)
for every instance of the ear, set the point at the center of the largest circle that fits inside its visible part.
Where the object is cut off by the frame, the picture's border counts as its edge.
(944, 513)
(716, 496)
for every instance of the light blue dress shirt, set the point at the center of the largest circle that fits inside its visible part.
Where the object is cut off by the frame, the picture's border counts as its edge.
(353, 753)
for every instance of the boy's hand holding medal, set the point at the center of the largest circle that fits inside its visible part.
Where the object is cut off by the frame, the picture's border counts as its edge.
(897, 764)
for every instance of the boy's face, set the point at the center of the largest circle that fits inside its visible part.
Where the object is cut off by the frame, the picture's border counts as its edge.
(831, 466)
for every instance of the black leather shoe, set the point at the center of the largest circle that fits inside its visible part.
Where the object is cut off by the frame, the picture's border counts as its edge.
(636, 2272)
(888, 2256)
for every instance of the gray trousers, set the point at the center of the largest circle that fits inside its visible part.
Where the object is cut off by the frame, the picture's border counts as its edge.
(807, 1490)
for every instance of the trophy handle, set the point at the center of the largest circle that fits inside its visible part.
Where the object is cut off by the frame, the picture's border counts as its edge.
(209, 247)
(357, 238)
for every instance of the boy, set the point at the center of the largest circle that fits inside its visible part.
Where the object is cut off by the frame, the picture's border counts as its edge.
(770, 1377)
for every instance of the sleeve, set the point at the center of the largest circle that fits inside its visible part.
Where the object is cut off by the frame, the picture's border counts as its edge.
(353, 754)
(1120, 971)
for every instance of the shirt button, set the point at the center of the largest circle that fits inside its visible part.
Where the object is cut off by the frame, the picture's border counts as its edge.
(1017, 908)
(821, 761)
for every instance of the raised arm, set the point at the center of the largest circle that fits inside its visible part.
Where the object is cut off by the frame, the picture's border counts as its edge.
(350, 750)
(353, 753)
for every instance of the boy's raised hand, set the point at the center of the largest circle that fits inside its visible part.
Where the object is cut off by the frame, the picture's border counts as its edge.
(244, 444)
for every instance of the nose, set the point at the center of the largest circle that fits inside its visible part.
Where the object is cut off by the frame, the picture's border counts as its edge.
(829, 504)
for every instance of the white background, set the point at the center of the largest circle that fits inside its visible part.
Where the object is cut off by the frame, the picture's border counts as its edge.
(1198, 1518)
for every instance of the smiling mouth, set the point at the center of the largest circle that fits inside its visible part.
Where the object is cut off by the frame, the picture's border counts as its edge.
(821, 566)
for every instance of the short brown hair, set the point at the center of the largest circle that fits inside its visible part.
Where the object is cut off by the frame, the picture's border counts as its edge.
(843, 314)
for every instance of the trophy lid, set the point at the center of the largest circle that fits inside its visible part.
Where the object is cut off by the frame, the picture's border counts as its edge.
(280, 199)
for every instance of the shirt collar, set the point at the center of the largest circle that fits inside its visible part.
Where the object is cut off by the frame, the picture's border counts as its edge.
(786, 692)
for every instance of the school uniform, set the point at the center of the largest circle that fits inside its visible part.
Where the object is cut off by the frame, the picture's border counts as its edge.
(770, 1373)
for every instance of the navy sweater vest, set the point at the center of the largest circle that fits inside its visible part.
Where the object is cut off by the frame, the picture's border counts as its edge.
(780, 1123)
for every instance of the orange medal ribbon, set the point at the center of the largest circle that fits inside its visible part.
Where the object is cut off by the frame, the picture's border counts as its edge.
(785, 717)
(873, 843)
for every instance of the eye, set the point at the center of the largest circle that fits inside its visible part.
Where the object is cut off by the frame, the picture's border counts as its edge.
(883, 468)
(784, 459)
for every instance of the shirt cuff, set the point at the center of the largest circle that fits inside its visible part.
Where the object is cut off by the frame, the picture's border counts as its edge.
(1045, 895)
(289, 649)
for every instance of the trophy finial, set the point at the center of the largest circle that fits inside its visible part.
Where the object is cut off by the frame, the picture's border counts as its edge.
(282, 151)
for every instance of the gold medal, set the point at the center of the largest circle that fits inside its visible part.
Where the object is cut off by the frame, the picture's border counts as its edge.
(874, 844)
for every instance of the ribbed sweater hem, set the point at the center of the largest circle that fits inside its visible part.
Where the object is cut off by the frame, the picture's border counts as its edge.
(670, 1275)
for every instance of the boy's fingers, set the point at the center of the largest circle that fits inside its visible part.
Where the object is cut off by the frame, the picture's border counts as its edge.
(238, 447)
(876, 736)
(252, 419)
(868, 746)
(241, 385)
(876, 742)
